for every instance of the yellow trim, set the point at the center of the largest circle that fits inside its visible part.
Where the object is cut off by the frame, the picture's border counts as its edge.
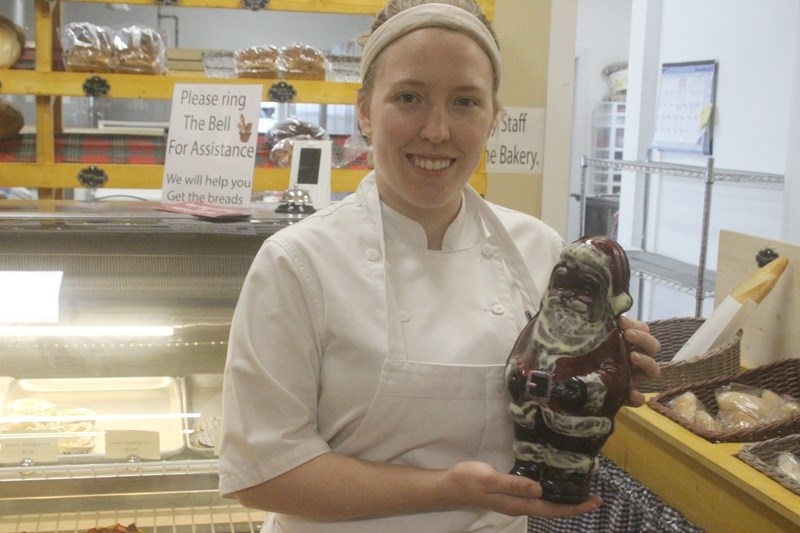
(350, 7)
(131, 176)
(706, 482)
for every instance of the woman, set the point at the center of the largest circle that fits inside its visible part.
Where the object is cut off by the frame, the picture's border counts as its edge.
(364, 386)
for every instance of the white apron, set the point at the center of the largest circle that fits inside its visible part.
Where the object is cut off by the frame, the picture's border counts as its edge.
(461, 407)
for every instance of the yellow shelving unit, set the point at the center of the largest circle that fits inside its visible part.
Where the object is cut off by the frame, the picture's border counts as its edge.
(48, 86)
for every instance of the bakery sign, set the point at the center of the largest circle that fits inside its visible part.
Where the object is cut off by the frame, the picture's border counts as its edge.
(517, 142)
(212, 144)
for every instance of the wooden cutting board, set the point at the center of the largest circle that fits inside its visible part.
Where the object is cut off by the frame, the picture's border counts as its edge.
(772, 331)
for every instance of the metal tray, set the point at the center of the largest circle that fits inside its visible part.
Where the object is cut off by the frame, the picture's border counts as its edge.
(146, 403)
(203, 396)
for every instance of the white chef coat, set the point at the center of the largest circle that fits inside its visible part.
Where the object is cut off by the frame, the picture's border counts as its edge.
(380, 349)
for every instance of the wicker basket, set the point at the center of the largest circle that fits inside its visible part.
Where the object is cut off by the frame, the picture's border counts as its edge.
(673, 333)
(781, 377)
(763, 456)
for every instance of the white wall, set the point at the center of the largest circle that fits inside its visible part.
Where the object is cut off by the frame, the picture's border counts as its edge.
(756, 46)
(603, 27)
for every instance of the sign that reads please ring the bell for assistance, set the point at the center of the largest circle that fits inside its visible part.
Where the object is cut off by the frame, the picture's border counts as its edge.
(517, 143)
(212, 144)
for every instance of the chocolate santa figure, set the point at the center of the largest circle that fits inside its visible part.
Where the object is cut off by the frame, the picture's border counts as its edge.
(569, 371)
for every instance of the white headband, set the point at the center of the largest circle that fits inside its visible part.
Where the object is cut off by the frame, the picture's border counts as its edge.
(434, 15)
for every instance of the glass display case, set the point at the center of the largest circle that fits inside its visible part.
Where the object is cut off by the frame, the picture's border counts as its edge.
(114, 323)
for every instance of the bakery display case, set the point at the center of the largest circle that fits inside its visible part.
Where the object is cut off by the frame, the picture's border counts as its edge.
(114, 320)
(46, 160)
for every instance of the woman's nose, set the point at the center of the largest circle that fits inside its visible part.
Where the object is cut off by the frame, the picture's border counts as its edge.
(436, 129)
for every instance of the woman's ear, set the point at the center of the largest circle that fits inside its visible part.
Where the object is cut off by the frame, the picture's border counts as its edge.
(364, 122)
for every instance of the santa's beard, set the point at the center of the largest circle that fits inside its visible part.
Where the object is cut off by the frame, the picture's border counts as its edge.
(562, 329)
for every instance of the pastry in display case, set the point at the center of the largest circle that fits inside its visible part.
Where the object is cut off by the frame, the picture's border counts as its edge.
(113, 336)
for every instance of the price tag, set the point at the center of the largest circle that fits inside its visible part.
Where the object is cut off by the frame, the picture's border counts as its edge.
(133, 443)
(34, 446)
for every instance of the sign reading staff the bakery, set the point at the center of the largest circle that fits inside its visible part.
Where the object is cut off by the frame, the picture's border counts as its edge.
(212, 144)
(517, 142)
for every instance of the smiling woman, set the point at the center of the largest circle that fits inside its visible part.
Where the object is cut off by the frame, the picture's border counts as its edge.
(377, 329)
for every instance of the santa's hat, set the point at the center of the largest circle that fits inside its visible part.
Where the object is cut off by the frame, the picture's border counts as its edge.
(621, 299)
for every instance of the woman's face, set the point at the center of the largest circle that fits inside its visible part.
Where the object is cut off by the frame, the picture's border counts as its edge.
(428, 115)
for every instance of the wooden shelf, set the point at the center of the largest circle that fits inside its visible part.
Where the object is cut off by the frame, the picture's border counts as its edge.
(50, 176)
(160, 87)
(706, 482)
(350, 7)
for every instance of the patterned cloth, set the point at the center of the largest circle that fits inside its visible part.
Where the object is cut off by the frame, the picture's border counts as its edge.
(628, 506)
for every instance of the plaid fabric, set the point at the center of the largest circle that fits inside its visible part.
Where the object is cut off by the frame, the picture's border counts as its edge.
(27, 59)
(130, 149)
(628, 506)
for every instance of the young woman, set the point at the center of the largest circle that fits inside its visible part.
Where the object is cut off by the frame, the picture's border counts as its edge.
(364, 386)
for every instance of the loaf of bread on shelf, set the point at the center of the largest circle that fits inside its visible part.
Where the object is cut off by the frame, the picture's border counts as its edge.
(11, 120)
(12, 42)
(303, 61)
(139, 50)
(258, 62)
(87, 47)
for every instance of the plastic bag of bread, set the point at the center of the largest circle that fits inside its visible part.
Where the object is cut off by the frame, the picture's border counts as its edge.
(293, 127)
(139, 50)
(11, 120)
(12, 42)
(258, 62)
(689, 406)
(355, 148)
(742, 406)
(281, 154)
(304, 62)
(788, 464)
(87, 47)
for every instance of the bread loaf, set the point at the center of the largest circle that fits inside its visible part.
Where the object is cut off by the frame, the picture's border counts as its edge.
(757, 286)
(11, 120)
(304, 62)
(258, 62)
(87, 47)
(139, 50)
(12, 42)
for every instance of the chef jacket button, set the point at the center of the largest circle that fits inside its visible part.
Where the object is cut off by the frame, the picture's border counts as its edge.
(373, 254)
(498, 309)
(405, 316)
(487, 250)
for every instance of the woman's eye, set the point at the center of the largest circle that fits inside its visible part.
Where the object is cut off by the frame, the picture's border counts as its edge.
(466, 102)
(407, 98)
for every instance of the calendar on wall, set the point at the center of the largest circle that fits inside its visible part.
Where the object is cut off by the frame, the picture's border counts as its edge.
(685, 108)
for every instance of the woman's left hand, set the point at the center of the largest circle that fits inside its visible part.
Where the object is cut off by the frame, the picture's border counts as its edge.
(645, 368)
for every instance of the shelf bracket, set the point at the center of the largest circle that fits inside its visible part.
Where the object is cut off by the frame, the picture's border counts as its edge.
(255, 5)
(92, 177)
(96, 86)
(282, 92)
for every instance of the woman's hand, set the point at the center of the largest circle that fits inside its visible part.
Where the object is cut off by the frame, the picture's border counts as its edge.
(645, 368)
(479, 485)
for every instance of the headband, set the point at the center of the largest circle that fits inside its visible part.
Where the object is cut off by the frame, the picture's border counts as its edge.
(433, 15)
